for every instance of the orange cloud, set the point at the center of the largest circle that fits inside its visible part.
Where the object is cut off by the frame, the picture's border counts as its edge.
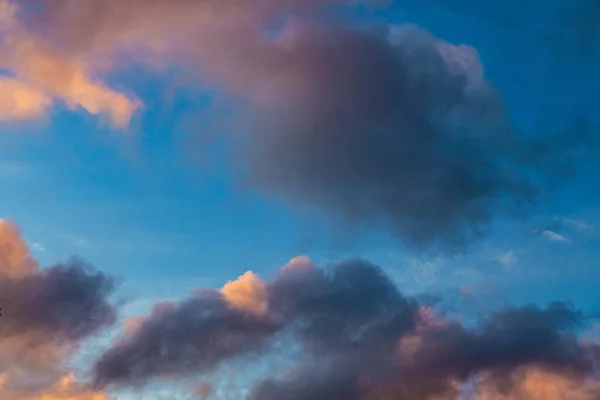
(19, 101)
(299, 262)
(132, 324)
(67, 388)
(538, 384)
(44, 74)
(15, 259)
(248, 292)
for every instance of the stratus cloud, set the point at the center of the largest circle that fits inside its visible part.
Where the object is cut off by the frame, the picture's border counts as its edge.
(360, 339)
(46, 313)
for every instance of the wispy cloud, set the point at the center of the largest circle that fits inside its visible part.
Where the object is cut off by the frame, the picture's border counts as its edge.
(77, 240)
(576, 224)
(554, 236)
(506, 258)
(37, 246)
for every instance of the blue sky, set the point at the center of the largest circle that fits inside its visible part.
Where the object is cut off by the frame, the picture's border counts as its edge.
(160, 205)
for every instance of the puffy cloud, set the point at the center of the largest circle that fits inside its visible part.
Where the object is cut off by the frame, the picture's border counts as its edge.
(247, 292)
(46, 313)
(401, 132)
(67, 300)
(437, 360)
(15, 259)
(200, 333)
(196, 334)
(359, 338)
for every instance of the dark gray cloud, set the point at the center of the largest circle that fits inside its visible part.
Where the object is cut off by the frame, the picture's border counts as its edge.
(430, 363)
(399, 130)
(46, 314)
(195, 335)
(68, 301)
(350, 304)
(360, 338)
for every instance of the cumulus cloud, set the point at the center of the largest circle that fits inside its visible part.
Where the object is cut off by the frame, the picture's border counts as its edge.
(403, 133)
(46, 314)
(360, 338)
(200, 333)
(196, 334)
(15, 259)
(247, 292)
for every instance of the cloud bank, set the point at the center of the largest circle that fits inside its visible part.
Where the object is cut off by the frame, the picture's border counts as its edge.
(360, 338)
(356, 335)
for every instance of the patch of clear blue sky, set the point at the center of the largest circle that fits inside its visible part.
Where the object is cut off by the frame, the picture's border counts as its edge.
(142, 207)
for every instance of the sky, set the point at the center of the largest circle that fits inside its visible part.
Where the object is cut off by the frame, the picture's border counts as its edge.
(299, 199)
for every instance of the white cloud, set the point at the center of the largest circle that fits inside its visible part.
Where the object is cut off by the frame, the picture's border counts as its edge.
(37, 246)
(554, 237)
(577, 224)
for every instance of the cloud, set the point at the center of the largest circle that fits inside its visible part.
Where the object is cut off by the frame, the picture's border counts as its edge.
(37, 246)
(437, 358)
(67, 388)
(197, 333)
(538, 384)
(576, 224)
(359, 338)
(46, 314)
(15, 259)
(19, 101)
(402, 133)
(554, 236)
(44, 74)
(200, 333)
(507, 258)
(247, 292)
